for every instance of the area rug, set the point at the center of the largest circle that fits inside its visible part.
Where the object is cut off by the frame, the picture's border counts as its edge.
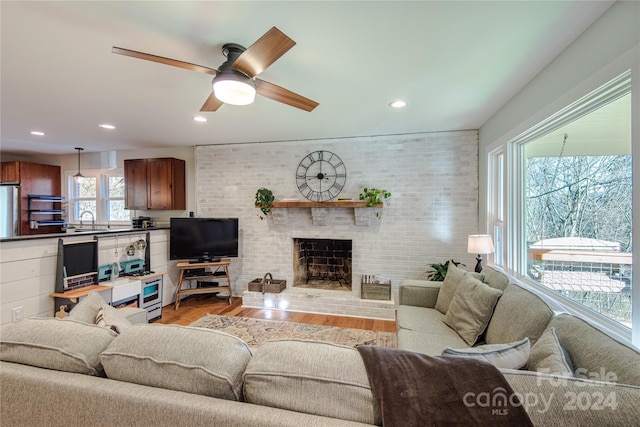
(256, 331)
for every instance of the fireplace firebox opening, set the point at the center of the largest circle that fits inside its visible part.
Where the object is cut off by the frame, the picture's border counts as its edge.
(322, 264)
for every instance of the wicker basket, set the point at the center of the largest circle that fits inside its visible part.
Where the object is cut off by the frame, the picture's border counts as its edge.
(267, 285)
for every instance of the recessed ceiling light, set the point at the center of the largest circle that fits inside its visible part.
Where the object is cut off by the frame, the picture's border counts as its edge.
(398, 104)
(107, 126)
(37, 132)
(199, 119)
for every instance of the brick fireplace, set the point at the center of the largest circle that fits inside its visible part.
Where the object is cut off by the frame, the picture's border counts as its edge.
(433, 179)
(322, 264)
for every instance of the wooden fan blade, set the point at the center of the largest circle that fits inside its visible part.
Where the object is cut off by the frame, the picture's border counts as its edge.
(163, 60)
(211, 104)
(285, 96)
(264, 52)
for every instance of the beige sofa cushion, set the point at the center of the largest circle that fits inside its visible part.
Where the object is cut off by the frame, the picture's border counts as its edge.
(495, 278)
(87, 309)
(194, 360)
(548, 355)
(449, 286)
(311, 377)
(471, 308)
(518, 314)
(554, 401)
(505, 356)
(109, 317)
(595, 354)
(64, 345)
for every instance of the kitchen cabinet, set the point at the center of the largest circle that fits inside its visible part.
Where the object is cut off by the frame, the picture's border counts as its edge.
(155, 184)
(36, 179)
(135, 177)
(10, 173)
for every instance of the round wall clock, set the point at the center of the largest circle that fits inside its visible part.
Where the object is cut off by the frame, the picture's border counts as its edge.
(321, 176)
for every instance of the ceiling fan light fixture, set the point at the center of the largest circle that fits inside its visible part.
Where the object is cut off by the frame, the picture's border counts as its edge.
(233, 87)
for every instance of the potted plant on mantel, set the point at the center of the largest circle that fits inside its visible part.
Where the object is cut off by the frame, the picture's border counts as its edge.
(373, 196)
(264, 201)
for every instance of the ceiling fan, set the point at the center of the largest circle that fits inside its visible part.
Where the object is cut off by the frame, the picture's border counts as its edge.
(235, 82)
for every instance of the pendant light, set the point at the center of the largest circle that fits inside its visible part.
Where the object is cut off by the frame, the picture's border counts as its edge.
(78, 175)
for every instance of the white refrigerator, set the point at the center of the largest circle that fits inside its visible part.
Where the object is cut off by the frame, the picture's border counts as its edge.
(9, 210)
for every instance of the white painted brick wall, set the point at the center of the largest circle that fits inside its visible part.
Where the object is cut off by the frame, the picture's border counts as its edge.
(433, 179)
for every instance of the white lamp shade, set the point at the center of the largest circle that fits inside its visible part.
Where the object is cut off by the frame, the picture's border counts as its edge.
(234, 91)
(480, 244)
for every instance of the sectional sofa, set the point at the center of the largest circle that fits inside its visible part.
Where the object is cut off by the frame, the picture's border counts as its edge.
(122, 371)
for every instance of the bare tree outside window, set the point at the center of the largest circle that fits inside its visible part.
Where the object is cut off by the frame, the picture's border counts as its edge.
(579, 211)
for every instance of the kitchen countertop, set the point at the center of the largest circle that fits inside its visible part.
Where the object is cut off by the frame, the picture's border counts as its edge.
(82, 233)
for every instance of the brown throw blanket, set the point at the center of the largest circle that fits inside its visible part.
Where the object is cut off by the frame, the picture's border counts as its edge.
(413, 389)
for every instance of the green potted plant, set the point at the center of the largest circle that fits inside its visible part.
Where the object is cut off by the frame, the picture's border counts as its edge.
(439, 271)
(373, 196)
(264, 201)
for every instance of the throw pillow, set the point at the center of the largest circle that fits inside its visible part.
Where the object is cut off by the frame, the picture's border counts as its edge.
(448, 288)
(52, 343)
(183, 358)
(111, 318)
(507, 356)
(87, 308)
(471, 308)
(549, 356)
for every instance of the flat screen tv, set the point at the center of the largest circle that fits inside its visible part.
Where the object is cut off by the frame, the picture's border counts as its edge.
(203, 239)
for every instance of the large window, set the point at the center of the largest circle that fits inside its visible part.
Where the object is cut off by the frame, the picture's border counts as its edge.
(570, 204)
(98, 197)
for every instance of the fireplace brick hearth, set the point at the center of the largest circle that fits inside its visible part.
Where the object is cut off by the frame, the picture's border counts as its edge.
(321, 301)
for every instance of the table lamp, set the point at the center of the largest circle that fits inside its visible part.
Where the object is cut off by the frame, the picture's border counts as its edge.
(479, 244)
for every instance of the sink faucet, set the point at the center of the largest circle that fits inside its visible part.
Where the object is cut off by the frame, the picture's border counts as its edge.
(93, 220)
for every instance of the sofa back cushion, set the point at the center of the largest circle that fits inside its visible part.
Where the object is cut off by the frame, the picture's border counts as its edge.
(595, 354)
(193, 360)
(494, 278)
(518, 314)
(51, 343)
(312, 377)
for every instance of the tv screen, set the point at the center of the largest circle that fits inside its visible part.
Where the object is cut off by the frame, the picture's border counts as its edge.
(203, 239)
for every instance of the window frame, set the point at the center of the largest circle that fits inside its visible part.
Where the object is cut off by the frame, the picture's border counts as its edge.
(514, 191)
(102, 188)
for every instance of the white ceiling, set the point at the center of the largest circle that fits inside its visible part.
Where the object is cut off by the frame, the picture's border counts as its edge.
(455, 63)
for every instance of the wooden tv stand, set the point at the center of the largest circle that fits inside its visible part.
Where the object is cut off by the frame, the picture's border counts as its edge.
(221, 270)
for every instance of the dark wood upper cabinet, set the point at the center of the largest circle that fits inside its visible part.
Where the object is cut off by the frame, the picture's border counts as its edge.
(135, 177)
(155, 184)
(10, 173)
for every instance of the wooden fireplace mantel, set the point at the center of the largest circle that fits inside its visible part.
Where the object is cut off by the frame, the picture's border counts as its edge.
(361, 211)
(307, 204)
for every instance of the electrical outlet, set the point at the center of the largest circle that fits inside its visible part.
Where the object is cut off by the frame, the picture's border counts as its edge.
(17, 314)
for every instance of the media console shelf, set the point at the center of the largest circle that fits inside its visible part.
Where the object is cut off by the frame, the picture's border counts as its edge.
(221, 270)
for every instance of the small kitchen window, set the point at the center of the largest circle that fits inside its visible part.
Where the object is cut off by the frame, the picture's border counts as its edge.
(97, 198)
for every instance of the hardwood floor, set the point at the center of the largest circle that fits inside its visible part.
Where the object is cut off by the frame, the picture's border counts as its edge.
(195, 307)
